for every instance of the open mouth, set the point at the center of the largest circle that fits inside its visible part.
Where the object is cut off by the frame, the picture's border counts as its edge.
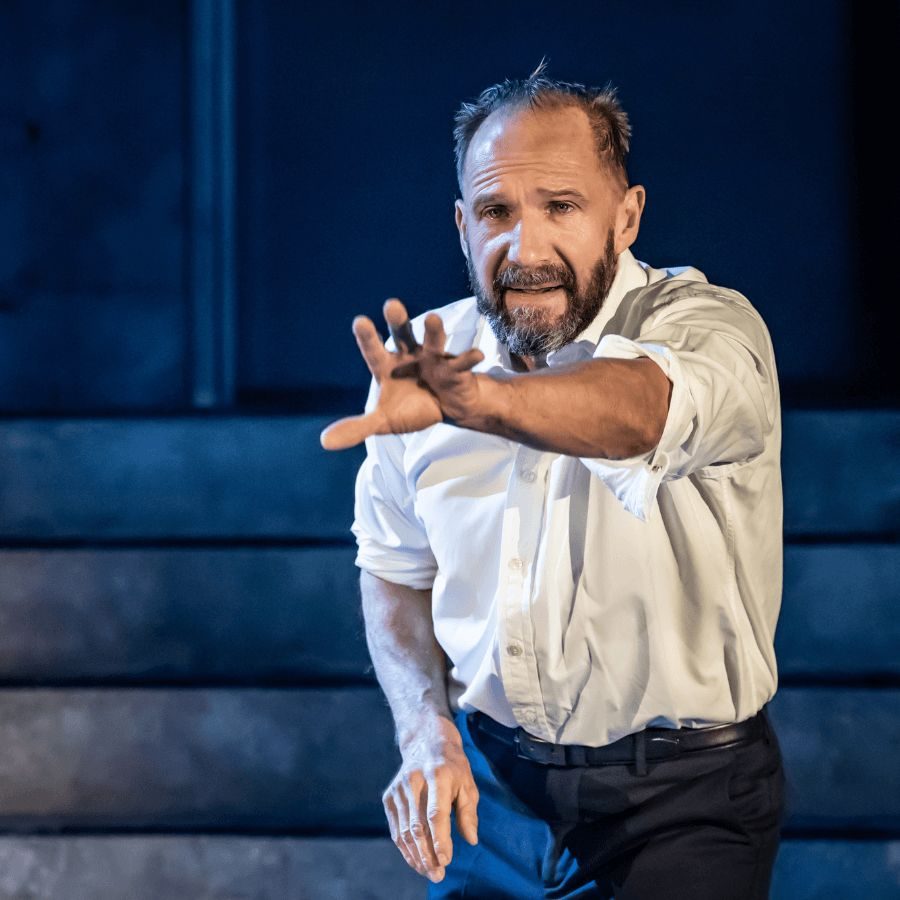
(543, 289)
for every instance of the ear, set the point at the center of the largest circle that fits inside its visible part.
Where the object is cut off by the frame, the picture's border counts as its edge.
(461, 227)
(628, 216)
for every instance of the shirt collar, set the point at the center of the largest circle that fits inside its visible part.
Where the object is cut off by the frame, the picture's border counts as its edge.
(630, 274)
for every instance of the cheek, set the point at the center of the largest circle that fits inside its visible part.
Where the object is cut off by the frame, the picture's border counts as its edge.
(487, 260)
(490, 241)
(585, 258)
(586, 245)
(586, 235)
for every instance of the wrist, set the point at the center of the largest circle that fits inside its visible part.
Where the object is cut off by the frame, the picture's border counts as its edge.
(428, 729)
(488, 409)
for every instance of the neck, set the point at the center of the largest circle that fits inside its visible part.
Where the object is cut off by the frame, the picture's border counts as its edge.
(528, 363)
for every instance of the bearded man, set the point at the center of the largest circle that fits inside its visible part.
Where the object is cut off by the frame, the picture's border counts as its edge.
(569, 525)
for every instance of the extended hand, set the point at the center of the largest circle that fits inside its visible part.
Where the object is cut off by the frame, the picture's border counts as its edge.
(417, 388)
(435, 777)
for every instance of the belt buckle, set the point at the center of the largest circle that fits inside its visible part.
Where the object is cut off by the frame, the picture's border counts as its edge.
(538, 750)
(672, 745)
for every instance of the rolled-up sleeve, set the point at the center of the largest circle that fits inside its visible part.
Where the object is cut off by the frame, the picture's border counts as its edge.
(391, 540)
(717, 353)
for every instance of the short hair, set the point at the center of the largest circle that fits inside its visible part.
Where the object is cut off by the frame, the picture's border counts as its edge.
(609, 122)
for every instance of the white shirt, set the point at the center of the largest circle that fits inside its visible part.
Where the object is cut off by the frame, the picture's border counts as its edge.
(587, 598)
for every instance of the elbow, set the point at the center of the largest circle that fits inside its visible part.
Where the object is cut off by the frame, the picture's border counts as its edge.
(653, 433)
(640, 442)
(633, 439)
(645, 437)
(641, 422)
(653, 421)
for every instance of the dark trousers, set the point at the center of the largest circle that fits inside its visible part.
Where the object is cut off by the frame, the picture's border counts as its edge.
(703, 826)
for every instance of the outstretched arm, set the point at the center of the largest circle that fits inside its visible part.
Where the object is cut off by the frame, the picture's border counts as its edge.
(611, 408)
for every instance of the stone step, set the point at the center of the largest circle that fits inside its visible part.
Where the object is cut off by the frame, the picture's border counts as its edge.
(318, 759)
(292, 615)
(266, 477)
(206, 867)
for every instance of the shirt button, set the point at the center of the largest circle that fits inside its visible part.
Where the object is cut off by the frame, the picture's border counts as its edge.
(528, 475)
(515, 564)
(514, 650)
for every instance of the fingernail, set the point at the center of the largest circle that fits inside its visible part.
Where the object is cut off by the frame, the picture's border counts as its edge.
(443, 859)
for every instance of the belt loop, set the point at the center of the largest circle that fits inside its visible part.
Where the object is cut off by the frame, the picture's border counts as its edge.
(766, 726)
(640, 752)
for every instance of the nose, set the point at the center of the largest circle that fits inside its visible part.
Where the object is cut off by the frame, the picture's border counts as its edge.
(530, 243)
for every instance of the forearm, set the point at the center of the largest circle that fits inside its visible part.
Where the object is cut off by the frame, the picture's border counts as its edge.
(409, 663)
(611, 408)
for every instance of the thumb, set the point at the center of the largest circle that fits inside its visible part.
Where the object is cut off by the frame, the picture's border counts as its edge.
(348, 432)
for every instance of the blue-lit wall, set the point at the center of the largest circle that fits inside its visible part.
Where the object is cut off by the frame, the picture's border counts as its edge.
(757, 132)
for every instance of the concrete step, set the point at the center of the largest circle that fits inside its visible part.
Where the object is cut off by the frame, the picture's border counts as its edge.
(205, 867)
(317, 760)
(292, 615)
(261, 477)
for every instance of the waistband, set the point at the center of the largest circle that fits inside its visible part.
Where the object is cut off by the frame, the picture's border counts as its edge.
(648, 744)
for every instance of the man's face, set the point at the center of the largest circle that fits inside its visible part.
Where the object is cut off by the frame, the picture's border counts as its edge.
(529, 327)
(538, 226)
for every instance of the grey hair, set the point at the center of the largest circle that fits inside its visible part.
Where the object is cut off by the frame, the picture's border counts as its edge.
(609, 122)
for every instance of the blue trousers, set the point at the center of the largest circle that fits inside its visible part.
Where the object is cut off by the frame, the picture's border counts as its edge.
(703, 826)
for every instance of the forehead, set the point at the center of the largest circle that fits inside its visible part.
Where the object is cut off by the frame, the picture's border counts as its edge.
(550, 142)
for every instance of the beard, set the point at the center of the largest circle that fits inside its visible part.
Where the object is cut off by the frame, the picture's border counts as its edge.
(528, 330)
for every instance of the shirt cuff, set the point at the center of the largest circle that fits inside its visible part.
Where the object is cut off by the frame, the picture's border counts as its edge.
(410, 571)
(391, 541)
(635, 480)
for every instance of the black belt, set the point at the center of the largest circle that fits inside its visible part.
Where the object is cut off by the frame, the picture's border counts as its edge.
(649, 744)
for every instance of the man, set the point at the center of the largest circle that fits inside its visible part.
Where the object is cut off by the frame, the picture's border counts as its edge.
(569, 526)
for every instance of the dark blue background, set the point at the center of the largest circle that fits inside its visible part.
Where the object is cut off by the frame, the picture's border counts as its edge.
(758, 133)
(742, 121)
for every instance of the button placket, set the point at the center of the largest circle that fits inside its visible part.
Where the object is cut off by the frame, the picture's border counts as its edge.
(526, 491)
(510, 627)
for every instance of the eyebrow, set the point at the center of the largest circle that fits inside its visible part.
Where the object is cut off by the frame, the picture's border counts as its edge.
(487, 199)
(496, 197)
(562, 192)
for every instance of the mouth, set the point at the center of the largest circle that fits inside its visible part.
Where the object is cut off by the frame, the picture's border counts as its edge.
(543, 289)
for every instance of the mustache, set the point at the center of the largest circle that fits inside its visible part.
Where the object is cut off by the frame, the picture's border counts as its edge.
(513, 277)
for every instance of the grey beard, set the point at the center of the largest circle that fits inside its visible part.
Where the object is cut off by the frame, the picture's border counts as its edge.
(525, 330)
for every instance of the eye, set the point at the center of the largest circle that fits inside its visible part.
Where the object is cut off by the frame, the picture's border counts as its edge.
(562, 206)
(493, 212)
